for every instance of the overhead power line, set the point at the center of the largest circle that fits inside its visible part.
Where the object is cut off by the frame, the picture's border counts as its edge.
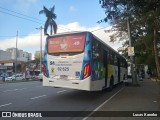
(26, 17)
(20, 17)
(20, 14)
(98, 29)
(32, 19)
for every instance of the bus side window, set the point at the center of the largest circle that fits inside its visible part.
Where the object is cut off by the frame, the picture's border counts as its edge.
(115, 60)
(96, 49)
(108, 56)
(96, 54)
(111, 58)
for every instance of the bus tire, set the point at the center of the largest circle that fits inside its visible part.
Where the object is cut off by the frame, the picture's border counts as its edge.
(111, 84)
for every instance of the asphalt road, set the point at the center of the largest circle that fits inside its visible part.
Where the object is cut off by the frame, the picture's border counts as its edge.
(32, 96)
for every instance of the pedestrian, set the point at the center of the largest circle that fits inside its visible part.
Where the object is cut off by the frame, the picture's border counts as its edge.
(149, 73)
(27, 75)
(3, 77)
(137, 70)
(142, 74)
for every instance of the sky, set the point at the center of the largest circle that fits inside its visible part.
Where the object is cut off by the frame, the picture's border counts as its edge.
(23, 16)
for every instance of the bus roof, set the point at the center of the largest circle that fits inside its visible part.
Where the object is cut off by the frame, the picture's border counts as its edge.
(67, 33)
(76, 32)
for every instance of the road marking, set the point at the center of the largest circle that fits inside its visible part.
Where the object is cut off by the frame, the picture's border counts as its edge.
(39, 86)
(5, 105)
(14, 90)
(102, 104)
(61, 91)
(33, 83)
(37, 97)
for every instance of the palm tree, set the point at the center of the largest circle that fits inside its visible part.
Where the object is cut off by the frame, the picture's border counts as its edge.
(50, 19)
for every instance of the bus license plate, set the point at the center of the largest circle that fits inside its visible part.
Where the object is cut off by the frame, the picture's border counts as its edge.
(64, 77)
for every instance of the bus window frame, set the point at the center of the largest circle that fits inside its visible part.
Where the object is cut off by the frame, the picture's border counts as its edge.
(99, 50)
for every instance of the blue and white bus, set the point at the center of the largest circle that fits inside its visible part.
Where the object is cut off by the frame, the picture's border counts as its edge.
(80, 60)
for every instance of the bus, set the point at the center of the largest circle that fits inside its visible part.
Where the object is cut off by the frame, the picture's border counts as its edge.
(80, 60)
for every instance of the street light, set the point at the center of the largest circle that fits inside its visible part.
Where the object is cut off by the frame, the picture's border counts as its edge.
(40, 48)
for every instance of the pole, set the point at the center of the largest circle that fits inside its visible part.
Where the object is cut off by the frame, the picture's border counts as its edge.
(41, 51)
(16, 56)
(40, 48)
(133, 71)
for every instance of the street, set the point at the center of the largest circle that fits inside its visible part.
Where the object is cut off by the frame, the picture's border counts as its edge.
(32, 96)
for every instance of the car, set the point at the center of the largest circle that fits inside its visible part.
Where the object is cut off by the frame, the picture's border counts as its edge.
(18, 77)
(9, 78)
(40, 76)
(3, 76)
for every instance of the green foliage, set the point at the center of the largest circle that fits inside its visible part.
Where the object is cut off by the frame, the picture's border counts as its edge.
(144, 16)
(50, 19)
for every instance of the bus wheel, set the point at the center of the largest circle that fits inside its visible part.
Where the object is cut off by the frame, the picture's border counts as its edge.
(111, 84)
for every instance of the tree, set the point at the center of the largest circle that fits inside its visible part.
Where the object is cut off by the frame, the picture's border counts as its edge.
(145, 21)
(51, 16)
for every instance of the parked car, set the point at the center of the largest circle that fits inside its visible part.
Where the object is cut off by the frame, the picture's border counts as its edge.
(40, 76)
(18, 77)
(3, 76)
(9, 78)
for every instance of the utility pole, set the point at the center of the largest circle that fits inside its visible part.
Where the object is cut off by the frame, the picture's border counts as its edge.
(40, 48)
(133, 71)
(16, 56)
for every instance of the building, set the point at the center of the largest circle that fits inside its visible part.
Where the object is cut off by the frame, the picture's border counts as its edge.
(4, 55)
(8, 66)
(21, 55)
(13, 52)
(8, 60)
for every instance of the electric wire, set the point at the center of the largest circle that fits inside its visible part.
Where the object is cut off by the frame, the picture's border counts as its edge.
(32, 19)
(20, 14)
(28, 17)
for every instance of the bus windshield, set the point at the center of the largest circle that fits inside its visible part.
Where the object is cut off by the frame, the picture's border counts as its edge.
(66, 44)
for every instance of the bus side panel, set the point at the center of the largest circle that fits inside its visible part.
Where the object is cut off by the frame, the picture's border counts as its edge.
(115, 74)
(99, 66)
(97, 85)
(110, 73)
(123, 72)
(87, 54)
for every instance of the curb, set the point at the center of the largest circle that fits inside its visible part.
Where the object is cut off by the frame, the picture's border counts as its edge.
(155, 80)
(16, 81)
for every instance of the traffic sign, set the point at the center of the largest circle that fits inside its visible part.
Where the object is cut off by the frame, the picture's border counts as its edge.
(130, 51)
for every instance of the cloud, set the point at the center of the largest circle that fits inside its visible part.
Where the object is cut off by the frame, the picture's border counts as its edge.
(72, 9)
(31, 42)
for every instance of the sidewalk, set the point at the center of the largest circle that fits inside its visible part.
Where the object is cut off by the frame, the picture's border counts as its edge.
(145, 97)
